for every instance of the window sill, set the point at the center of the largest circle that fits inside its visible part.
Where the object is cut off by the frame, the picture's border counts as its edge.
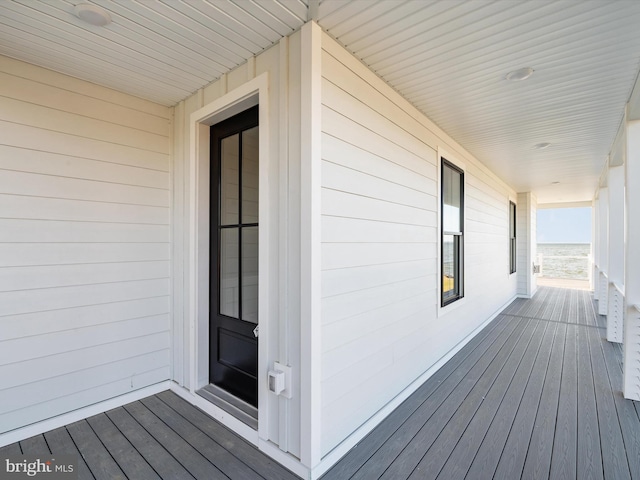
(442, 311)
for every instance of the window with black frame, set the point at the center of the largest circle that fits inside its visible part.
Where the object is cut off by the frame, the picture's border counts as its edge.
(512, 237)
(452, 241)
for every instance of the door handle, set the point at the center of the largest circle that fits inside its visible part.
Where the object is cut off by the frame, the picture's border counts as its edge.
(256, 331)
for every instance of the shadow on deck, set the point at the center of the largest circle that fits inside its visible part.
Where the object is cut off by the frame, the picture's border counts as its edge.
(537, 394)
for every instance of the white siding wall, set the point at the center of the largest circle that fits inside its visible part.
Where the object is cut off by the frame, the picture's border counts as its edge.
(282, 62)
(381, 324)
(84, 243)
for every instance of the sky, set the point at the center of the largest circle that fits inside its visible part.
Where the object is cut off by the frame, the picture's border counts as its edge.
(564, 225)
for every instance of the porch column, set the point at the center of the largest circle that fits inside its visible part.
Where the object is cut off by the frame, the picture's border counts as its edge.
(631, 344)
(595, 246)
(615, 310)
(603, 251)
(526, 215)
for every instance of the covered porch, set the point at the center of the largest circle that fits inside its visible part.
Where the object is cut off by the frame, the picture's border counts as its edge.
(537, 394)
(124, 270)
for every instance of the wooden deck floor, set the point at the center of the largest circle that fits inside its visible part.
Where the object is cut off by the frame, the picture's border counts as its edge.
(537, 394)
(160, 437)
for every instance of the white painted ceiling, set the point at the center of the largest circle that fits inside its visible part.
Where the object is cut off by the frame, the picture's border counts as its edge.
(448, 57)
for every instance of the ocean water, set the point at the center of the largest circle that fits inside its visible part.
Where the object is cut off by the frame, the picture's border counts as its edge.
(564, 260)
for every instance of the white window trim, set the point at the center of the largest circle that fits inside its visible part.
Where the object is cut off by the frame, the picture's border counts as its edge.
(456, 161)
(511, 200)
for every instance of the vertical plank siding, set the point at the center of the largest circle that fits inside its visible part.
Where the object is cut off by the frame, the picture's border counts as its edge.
(84, 244)
(281, 335)
(380, 322)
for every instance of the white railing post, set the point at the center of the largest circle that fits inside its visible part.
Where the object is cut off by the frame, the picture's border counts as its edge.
(540, 263)
(604, 294)
(615, 314)
(615, 264)
(631, 344)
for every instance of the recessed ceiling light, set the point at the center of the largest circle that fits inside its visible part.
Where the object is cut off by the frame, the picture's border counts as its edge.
(92, 14)
(520, 74)
(542, 146)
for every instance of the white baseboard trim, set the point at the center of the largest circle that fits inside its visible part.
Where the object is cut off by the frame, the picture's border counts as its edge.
(80, 414)
(351, 441)
(245, 431)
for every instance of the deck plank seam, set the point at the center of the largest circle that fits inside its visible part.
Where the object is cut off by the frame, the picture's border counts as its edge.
(485, 343)
(568, 390)
(586, 359)
(609, 391)
(131, 444)
(588, 305)
(557, 406)
(507, 355)
(242, 450)
(546, 385)
(618, 401)
(105, 447)
(507, 389)
(537, 407)
(180, 436)
(524, 390)
(157, 441)
(77, 451)
(559, 321)
(230, 452)
(434, 410)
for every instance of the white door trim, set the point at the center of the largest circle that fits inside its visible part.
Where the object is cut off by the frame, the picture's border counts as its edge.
(254, 92)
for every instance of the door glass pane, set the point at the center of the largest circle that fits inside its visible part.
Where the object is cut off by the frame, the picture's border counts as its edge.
(449, 266)
(250, 175)
(250, 274)
(229, 179)
(450, 200)
(229, 287)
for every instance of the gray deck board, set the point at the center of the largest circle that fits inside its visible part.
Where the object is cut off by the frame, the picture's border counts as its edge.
(510, 432)
(625, 409)
(495, 414)
(456, 368)
(589, 461)
(465, 398)
(35, 446)
(10, 450)
(195, 463)
(565, 447)
(99, 461)
(159, 458)
(241, 449)
(474, 417)
(535, 395)
(223, 459)
(130, 461)
(61, 443)
(560, 415)
(539, 453)
(385, 456)
(614, 458)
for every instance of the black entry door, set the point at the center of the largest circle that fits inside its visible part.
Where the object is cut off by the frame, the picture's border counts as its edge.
(233, 345)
